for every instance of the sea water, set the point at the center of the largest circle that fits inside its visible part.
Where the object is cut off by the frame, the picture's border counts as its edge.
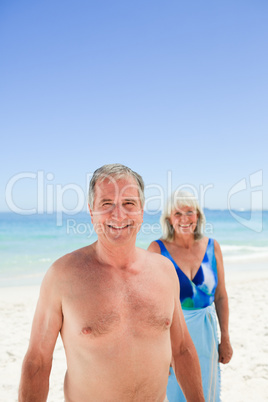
(29, 244)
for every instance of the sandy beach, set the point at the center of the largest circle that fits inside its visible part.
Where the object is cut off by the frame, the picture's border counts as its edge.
(245, 378)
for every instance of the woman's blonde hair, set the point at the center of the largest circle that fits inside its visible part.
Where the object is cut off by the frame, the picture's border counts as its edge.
(181, 199)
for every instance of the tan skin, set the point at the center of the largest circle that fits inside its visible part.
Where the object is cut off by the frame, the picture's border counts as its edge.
(188, 254)
(103, 299)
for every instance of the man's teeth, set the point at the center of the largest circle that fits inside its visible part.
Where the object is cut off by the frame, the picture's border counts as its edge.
(117, 227)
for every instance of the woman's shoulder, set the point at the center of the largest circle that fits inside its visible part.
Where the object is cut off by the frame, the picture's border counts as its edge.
(155, 247)
(210, 240)
(217, 247)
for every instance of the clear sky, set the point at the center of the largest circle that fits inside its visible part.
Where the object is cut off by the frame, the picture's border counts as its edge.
(177, 90)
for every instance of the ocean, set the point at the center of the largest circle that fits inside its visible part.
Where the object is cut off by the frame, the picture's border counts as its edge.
(30, 243)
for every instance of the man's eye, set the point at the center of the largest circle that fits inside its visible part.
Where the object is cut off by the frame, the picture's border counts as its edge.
(129, 205)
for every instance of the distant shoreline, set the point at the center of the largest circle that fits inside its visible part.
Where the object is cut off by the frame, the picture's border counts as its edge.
(147, 211)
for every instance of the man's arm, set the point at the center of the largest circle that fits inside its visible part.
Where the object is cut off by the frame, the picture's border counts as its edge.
(185, 359)
(47, 322)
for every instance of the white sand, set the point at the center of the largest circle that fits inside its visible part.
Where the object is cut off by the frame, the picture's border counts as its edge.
(245, 378)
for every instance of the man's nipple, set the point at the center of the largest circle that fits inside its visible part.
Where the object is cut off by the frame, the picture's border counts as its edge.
(167, 323)
(86, 331)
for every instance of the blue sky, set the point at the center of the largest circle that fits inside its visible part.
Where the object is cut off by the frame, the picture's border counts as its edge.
(177, 90)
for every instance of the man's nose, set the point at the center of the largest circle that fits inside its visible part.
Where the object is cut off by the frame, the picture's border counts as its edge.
(118, 211)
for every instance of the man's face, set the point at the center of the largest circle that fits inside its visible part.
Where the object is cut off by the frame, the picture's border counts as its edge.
(117, 213)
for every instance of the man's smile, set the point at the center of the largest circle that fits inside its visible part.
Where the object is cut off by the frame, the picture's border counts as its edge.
(118, 227)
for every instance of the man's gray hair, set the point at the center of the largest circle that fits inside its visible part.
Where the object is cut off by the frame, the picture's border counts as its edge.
(181, 199)
(114, 171)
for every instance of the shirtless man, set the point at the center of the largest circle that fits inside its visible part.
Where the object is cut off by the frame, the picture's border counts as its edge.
(116, 308)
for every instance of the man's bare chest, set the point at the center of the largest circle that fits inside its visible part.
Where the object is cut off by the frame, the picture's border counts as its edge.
(101, 307)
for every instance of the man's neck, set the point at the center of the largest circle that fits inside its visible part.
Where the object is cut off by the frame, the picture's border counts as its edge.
(121, 256)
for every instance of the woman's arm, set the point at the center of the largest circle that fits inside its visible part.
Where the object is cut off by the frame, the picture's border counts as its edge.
(222, 309)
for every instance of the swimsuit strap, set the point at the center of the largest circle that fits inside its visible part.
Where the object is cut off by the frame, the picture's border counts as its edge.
(166, 253)
(161, 244)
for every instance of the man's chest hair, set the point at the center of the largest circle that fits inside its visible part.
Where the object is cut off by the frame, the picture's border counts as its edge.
(109, 305)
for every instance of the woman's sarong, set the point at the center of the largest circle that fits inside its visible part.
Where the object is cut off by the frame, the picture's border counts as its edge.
(197, 297)
(202, 326)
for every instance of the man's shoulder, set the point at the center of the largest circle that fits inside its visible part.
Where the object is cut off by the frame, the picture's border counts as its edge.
(158, 259)
(67, 269)
(73, 258)
(160, 268)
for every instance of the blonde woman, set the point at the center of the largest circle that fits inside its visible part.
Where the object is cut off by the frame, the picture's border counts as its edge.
(199, 265)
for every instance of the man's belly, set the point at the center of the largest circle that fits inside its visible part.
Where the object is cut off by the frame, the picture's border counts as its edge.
(133, 369)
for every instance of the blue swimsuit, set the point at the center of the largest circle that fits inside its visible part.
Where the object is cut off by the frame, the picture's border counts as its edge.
(197, 297)
(199, 292)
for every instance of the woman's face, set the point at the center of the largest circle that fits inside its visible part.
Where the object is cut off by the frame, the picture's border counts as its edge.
(184, 220)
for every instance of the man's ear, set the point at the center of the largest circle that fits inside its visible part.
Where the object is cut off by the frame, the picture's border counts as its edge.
(91, 213)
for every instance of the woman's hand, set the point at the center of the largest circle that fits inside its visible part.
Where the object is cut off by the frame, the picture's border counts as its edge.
(225, 351)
